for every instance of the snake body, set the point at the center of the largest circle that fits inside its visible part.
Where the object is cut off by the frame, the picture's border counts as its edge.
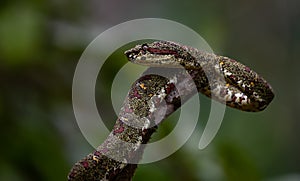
(226, 79)
(152, 98)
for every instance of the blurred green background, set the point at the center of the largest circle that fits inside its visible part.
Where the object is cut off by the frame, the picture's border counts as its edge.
(42, 41)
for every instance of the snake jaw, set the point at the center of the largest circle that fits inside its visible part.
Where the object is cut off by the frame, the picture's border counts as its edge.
(152, 55)
(160, 54)
(132, 53)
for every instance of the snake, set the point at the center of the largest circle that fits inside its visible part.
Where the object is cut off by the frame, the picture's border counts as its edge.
(152, 98)
(240, 88)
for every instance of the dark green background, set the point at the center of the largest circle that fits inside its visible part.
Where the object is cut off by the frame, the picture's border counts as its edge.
(42, 41)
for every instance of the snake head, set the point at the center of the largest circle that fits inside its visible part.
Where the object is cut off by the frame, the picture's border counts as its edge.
(159, 54)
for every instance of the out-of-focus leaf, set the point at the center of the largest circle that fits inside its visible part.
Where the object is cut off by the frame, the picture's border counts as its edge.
(20, 32)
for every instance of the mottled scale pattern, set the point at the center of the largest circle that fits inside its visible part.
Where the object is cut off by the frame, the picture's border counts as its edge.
(224, 79)
(152, 98)
(137, 120)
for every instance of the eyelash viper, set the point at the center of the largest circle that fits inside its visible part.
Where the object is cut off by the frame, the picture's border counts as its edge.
(215, 76)
(243, 88)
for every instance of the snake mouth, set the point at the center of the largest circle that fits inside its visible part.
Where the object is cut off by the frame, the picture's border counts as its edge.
(133, 53)
(148, 54)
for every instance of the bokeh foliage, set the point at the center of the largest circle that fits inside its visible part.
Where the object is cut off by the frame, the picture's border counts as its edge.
(41, 42)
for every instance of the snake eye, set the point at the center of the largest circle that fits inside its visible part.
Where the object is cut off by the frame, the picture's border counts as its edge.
(145, 46)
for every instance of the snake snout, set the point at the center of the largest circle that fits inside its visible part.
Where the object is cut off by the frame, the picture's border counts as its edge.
(130, 55)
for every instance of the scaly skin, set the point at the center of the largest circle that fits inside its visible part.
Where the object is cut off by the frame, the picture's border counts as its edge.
(215, 76)
(226, 80)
